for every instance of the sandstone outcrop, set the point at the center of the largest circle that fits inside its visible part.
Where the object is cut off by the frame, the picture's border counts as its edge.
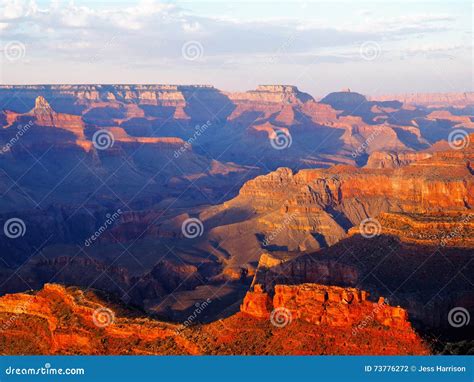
(69, 321)
(379, 159)
(323, 304)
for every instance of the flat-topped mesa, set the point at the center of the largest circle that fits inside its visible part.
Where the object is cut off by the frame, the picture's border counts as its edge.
(322, 304)
(164, 95)
(272, 94)
(277, 88)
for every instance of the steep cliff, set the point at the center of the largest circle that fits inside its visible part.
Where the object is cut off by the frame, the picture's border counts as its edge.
(311, 209)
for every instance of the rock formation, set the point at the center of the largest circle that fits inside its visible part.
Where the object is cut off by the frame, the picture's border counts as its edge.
(378, 159)
(311, 209)
(69, 321)
(322, 304)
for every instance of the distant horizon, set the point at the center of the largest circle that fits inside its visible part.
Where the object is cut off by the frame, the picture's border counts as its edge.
(316, 95)
(400, 47)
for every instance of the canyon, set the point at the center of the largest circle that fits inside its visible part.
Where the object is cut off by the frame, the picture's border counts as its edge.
(369, 196)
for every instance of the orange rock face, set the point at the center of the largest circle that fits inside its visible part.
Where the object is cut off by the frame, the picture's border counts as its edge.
(59, 320)
(289, 207)
(455, 229)
(46, 116)
(380, 159)
(257, 303)
(321, 304)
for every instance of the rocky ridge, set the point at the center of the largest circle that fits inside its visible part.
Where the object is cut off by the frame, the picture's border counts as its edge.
(59, 320)
(310, 209)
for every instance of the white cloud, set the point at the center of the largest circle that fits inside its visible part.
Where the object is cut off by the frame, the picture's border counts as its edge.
(150, 34)
(14, 9)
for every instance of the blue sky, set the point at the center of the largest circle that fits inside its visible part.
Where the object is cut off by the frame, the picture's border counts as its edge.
(372, 47)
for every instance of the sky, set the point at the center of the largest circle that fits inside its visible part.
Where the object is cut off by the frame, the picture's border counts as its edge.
(375, 47)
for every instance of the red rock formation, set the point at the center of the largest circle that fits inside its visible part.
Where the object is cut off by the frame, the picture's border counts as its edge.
(308, 121)
(321, 304)
(257, 303)
(46, 116)
(58, 320)
(330, 310)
